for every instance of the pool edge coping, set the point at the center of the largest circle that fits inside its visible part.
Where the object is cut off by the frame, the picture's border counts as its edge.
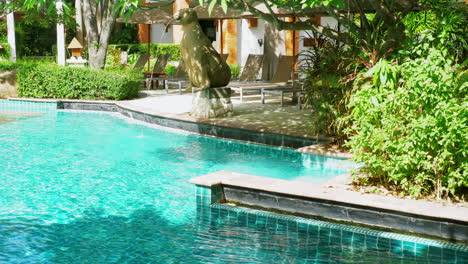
(416, 213)
(114, 106)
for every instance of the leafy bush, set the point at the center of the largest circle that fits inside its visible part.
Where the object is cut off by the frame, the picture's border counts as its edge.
(155, 49)
(322, 67)
(113, 58)
(5, 52)
(52, 81)
(170, 69)
(7, 66)
(124, 34)
(410, 125)
(235, 71)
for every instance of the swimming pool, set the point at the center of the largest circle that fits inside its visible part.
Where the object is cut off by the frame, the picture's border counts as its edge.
(81, 187)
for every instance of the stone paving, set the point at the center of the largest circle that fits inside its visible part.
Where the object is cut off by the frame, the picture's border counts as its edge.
(251, 114)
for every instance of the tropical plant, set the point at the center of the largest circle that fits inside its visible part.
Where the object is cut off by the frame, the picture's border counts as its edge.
(322, 67)
(100, 19)
(410, 125)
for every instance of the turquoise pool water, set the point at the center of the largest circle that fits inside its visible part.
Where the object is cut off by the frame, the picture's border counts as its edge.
(94, 188)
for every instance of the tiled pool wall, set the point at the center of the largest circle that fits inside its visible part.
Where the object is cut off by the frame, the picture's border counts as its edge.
(271, 139)
(373, 217)
(319, 233)
(25, 106)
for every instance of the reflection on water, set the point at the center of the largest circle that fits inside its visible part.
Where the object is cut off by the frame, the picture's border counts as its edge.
(4, 119)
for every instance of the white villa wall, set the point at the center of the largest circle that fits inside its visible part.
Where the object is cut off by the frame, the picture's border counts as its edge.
(159, 35)
(247, 40)
(328, 21)
(324, 21)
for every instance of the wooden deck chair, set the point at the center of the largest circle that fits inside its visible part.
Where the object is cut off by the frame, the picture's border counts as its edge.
(141, 62)
(181, 78)
(178, 78)
(279, 79)
(158, 70)
(251, 68)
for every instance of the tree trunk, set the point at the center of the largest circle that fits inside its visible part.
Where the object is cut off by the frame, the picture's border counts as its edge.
(11, 35)
(79, 21)
(98, 31)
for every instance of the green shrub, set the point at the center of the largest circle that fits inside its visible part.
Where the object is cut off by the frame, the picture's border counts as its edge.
(170, 69)
(326, 71)
(52, 81)
(155, 49)
(5, 52)
(7, 65)
(113, 58)
(123, 34)
(235, 70)
(410, 125)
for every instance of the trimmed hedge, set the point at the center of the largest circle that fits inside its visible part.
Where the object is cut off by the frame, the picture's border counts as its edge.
(52, 81)
(155, 49)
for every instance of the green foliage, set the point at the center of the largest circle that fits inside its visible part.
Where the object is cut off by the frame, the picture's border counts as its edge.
(52, 81)
(7, 65)
(124, 34)
(410, 124)
(441, 29)
(323, 65)
(34, 39)
(5, 52)
(235, 71)
(113, 58)
(170, 69)
(155, 49)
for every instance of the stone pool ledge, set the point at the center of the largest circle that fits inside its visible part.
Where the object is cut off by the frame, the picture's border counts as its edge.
(419, 217)
(213, 128)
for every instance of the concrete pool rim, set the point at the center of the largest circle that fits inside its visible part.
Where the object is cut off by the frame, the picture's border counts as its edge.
(201, 128)
(316, 200)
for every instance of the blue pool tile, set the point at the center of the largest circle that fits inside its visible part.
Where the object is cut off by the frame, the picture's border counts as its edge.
(383, 244)
(396, 247)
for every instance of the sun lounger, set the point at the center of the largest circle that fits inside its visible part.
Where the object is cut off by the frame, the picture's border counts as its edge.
(251, 68)
(180, 78)
(142, 60)
(158, 70)
(294, 90)
(280, 78)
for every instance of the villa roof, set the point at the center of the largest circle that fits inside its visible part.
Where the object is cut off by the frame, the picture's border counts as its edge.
(165, 15)
(150, 16)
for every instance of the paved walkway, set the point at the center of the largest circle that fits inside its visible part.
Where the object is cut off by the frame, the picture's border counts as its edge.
(252, 114)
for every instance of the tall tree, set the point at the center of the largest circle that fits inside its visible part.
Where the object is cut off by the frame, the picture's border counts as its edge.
(99, 18)
(361, 19)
